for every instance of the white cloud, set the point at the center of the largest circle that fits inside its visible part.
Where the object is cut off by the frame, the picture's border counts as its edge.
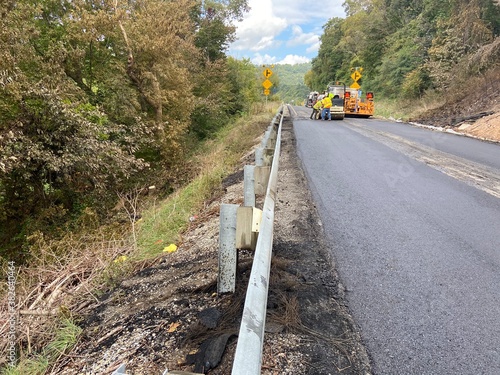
(299, 11)
(277, 27)
(259, 28)
(294, 59)
(258, 59)
(266, 59)
(314, 48)
(301, 38)
(263, 43)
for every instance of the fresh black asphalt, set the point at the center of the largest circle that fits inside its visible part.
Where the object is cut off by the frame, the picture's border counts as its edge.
(417, 250)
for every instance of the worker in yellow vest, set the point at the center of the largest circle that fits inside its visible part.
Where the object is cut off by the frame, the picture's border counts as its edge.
(327, 104)
(316, 110)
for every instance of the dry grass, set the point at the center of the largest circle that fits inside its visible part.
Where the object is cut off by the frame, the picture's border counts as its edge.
(60, 284)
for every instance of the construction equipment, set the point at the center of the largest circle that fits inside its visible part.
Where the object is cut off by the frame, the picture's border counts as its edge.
(311, 98)
(356, 105)
(349, 101)
(337, 94)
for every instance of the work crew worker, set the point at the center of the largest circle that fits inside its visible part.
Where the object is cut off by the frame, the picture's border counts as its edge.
(327, 104)
(316, 110)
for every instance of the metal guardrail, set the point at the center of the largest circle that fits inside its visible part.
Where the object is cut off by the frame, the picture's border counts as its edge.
(248, 356)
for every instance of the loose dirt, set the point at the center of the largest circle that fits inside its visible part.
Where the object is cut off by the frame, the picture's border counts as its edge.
(170, 316)
(476, 115)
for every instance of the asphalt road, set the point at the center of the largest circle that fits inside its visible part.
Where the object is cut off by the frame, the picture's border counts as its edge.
(413, 218)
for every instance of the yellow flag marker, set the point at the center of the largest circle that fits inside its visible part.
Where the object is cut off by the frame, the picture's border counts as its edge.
(170, 248)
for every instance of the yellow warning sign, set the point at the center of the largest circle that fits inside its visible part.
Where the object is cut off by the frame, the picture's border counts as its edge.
(355, 85)
(267, 84)
(267, 92)
(356, 76)
(267, 73)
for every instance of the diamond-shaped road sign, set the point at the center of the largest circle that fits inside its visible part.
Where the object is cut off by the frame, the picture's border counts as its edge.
(356, 76)
(267, 84)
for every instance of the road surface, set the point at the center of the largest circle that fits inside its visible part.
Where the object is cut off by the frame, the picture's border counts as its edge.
(413, 218)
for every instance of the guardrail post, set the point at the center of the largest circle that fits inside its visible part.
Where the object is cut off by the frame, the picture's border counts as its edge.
(228, 256)
(261, 175)
(259, 156)
(263, 143)
(249, 185)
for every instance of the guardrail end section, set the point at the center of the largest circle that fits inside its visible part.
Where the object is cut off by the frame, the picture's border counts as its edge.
(226, 281)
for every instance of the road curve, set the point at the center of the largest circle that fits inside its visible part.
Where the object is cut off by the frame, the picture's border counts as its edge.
(413, 218)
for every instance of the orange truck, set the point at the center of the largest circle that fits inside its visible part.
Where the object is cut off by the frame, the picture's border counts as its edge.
(357, 105)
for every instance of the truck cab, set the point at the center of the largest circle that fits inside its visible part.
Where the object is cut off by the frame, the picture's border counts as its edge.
(311, 98)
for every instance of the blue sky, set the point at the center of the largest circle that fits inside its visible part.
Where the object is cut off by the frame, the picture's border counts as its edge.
(283, 31)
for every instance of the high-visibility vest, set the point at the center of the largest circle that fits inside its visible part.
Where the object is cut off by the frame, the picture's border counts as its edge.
(327, 102)
(317, 105)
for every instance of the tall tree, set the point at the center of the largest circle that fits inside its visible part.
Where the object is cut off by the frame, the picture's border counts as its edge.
(406, 47)
(92, 92)
(332, 57)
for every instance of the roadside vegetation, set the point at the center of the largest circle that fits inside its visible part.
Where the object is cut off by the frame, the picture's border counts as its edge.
(117, 121)
(415, 55)
(100, 99)
(69, 273)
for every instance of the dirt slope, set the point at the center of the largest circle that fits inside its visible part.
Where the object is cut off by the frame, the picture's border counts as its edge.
(477, 114)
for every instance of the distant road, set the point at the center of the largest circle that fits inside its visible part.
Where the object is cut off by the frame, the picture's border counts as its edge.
(413, 218)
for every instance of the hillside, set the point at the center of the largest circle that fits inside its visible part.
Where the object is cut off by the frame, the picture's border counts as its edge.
(476, 113)
(291, 87)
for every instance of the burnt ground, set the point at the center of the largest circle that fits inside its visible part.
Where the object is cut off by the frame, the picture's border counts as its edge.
(170, 316)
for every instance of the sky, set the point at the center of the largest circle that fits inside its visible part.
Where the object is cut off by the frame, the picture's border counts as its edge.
(283, 31)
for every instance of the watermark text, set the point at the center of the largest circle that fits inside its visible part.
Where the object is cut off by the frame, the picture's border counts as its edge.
(11, 298)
